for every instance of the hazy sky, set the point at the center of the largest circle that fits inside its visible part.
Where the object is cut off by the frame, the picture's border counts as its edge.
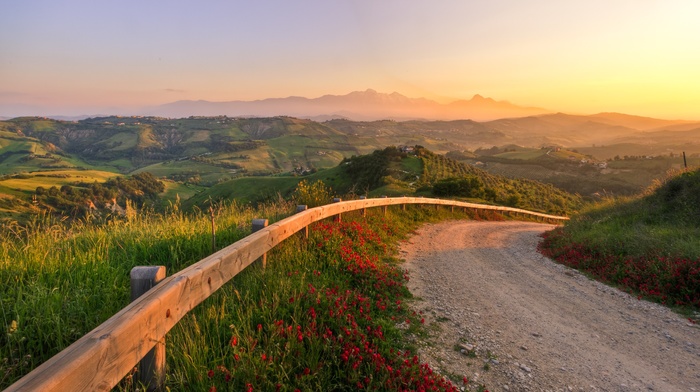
(77, 57)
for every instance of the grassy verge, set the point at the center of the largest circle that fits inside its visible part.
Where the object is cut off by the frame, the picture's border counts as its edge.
(59, 281)
(646, 245)
(329, 313)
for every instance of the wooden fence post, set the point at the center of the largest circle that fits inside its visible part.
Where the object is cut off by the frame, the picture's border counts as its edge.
(259, 224)
(363, 211)
(151, 369)
(337, 218)
(301, 208)
(384, 208)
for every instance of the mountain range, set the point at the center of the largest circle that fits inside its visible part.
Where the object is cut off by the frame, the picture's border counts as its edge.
(368, 105)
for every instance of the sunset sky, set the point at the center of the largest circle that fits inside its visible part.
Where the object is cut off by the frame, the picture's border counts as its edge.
(582, 57)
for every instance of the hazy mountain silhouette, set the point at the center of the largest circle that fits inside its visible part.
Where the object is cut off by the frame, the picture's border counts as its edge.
(365, 105)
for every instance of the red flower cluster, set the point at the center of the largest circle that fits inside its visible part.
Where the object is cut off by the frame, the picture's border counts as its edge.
(669, 280)
(339, 332)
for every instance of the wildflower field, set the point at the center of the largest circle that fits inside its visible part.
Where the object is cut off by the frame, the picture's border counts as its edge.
(322, 316)
(330, 312)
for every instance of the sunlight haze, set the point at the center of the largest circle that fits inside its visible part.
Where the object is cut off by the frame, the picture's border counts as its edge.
(580, 57)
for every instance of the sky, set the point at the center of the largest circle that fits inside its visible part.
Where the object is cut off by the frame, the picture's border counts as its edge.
(581, 57)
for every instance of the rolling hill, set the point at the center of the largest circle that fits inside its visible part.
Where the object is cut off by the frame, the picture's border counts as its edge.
(205, 151)
(396, 172)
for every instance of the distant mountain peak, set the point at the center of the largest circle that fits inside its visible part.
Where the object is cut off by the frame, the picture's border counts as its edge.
(368, 92)
(478, 98)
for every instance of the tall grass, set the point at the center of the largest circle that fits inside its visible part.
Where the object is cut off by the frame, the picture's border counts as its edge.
(59, 280)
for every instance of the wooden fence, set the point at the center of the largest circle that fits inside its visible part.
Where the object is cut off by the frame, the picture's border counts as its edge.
(101, 358)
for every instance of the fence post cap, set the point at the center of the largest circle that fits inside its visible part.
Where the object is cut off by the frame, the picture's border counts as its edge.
(148, 272)
(259, 224)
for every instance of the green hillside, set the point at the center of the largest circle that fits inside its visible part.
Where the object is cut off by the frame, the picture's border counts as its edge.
(578, 170)
(647, 244)
(522, 193)
(394, 172)
(261, 189)
(201, 152)
(213, 148)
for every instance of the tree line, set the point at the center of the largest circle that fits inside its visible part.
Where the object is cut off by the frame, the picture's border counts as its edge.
(83, 198)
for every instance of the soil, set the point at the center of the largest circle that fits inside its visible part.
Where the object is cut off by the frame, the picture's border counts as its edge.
(504, 316)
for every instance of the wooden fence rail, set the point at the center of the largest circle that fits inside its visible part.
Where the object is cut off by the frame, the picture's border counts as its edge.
(101, 358)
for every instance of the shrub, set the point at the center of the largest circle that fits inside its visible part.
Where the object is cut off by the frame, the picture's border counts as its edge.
(312, 194)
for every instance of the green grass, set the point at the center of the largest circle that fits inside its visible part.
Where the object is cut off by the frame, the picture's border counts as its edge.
(176, 190)
(59, 282)
(391, 190)
(647, 244)
(56, 178)
(257, 189)
(247, 189)
(209, 174)
(412, 164)
(122, 141)
(661, 223)
(146, 137)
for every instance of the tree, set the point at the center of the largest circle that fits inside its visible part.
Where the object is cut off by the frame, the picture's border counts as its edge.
(67, 190)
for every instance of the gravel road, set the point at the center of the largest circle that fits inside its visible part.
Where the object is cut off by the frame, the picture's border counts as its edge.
(503, 315)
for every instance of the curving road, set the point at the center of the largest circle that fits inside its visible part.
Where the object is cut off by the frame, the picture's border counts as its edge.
(505, 316)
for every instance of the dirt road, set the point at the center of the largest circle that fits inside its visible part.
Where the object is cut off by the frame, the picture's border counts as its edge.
(505, 316)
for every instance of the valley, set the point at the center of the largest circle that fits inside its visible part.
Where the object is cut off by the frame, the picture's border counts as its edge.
(199, 158)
